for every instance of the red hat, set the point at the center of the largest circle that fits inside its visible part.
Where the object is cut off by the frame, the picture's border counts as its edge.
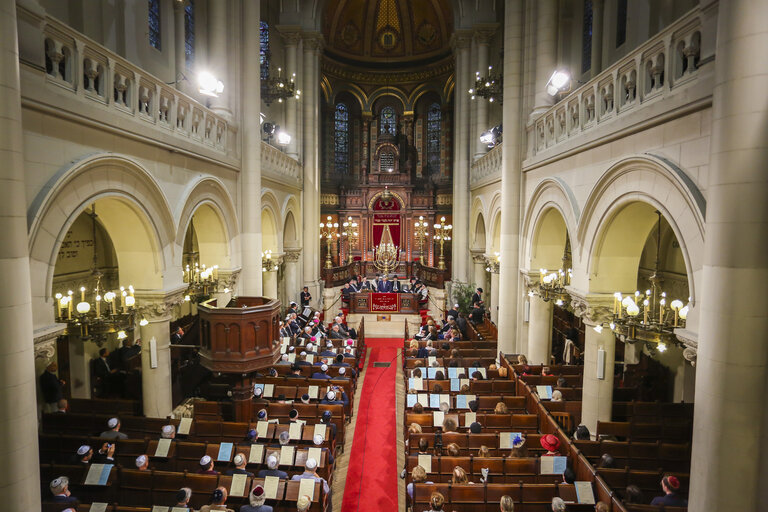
(550, 442)
(258, 491)
(672, 482)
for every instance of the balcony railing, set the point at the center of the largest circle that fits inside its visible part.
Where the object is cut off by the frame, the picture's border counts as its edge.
(487, 168)
(94, 74)
(656, 70)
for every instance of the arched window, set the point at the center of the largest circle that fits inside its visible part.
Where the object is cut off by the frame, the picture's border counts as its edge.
(264, 50)
(586, 37)
(189, 33)
(434, 118)
(154, 23)
(387, 121)
(341, 139)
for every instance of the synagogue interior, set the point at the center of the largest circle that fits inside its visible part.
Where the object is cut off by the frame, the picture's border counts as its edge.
(391, 255)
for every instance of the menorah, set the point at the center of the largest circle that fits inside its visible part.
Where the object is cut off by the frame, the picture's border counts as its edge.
(386, 255)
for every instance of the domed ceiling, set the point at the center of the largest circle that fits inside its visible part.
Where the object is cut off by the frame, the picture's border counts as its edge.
(375, 33)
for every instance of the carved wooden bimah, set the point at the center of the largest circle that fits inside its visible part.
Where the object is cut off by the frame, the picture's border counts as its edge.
(241, 337)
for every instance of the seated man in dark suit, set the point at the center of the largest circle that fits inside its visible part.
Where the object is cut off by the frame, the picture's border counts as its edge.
(331, 399)
(345, 293)
(325, 419)
(60, 490)
(272, 469)
(323, 374)
(240, 461)
(385, 286)
(328, 350)
(336, 333)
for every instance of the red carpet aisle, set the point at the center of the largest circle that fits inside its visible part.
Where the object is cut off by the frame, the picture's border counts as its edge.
(372, 475)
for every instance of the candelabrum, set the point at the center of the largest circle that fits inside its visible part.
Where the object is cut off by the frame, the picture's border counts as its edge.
(421, 232)
(329, 231)
(351, 234)
(490, 87)
(201, 280)
(101, 315)
(442, 234)
(552, 285)
(492, 264)
(268, 264)
(387, 254)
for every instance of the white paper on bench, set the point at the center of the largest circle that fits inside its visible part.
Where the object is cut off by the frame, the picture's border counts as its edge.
(292, 357)
(179, 509)
(545, 392)
(315, 453)
(307, 488)
(286, 455)
(262, 427)
(469, 418)
(225, 452)
(319, 430)
(269, 390)
(437, 418)
(257, 454)
(270, 487)
(163, 445)
(310, 358)
(584, 493)
(431, 360)
(312, 392)
(98, 474)
(238, 485)
(294, 431)
(99, 507)
(425, 461)
(184, 425)
(506, 439)
(155, 508)
(552, 465)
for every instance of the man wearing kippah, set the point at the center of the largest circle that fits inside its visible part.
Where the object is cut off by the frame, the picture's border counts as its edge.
(272, 469)
(310, 471)
(322, 374)
(218, 500)
(256, 500)
(60, 490)
(83, 455)
(240, 462)
(206, 466)
(182, 498)
(114, 430)
(671, 486)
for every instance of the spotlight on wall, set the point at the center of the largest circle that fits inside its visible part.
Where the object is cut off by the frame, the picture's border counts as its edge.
(560, 81)
(283, 138)
(492, 137)
(209, 85)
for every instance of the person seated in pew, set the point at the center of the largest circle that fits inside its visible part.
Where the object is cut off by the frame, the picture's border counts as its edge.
(257, 396)
(142, 463)
(569, 475)
(417, 373)
(285, 332)
(562, 382)
(518, 449)
(342, 374)
(61, 406)
(464, 389)
(336, 333)
(328, 350)
(256, 499)
(521, 359)
(105, 455)
(436, 501)
(293, 416)
(310, 349)
(671, 486)
(60, 489)
(326, 419)
(307, 334)
(318, 441)
(322, 374)
(602, 506)
(283, 360)
(295, 372)
(272, 469)
(113, 424)
(473, 405)
(633, 494)
(83, 455)
(218, 501)
(303, 362)
(501, 408)
(582, 433)
(557, 396)
(449, 425)
(439, 375)
(305, 398)
(330, 399)
(168, 432)
(506, 504)
(546, 371)
(418, 476)
(310, 471)
(607, 461)
(417, 408)
(240, 461)
(444, 407)
(475, 428)
(303, 503)
(475, 376)
(414, 428)
(182, 498)
(437, 389)
(551, 444)
(558, 505)
(206, 466)
(452, 450)
(423, 446)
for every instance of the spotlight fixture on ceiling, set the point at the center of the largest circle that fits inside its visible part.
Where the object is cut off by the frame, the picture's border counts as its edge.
(559, 82)
(209, 85)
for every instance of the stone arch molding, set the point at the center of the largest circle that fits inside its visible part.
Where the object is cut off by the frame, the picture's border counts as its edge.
(210, 191)
(549, 193)
(652, 180)
(72, 190)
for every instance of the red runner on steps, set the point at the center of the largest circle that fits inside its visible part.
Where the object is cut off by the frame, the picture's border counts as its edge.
(371, 479)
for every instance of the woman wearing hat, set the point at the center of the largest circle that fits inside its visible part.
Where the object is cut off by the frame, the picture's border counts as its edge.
(671, 486)
(551, 444)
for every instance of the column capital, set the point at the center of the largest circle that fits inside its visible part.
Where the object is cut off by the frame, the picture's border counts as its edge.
(156, 306)
(461, 40)
(292, 255)
(228, 279)
(291, 34)
(484, 32)
(313, 41)
(593, 308)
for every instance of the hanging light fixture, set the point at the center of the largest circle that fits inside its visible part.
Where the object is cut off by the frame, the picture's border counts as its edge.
(278, 88)
(551, 285)
(489, 87)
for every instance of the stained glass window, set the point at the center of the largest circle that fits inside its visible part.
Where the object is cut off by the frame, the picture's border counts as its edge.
(264, 50)
(388, 121)
(586, 37)
(341, 139)
(189, 33)
(154, 23)
(434, 118)
(621, 22)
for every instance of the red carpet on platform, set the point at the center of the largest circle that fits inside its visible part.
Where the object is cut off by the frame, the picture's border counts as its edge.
(372, 474)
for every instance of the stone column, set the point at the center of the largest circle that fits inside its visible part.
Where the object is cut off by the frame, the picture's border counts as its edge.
(730, 428)
(494, 294)
(546, 54)
(539, 331)
(460, 234)
(483, 37)
(269, 280)
(478, 269)
(311, 197)
(597, 393)
(218, 56)
(597, 37)
(509, 279)
(180, 60)
(291, 38)
(292, 271)
(20, 477)
(156, 308)
(250, 176)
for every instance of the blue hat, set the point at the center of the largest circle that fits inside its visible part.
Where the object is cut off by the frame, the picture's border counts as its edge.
(326, 417)
(262, 414)
(252, 434)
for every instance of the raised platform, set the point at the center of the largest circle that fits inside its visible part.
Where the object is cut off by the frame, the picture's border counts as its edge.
(378, 326)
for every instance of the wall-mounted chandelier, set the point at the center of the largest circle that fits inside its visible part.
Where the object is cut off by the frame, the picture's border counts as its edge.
(551, 285)
(201, 280)
(278, 88)
(489, 87)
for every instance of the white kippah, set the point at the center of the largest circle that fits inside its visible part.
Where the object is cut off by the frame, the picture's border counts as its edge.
(239, 459)
(342, 370)
(205, 460)
(329, 344)
(284, 357)
(83, 449)
(168, 429)
(331, 395)
(318, 439)
(141, 460)
(112, 423)
(324, 367)
(271, 462)
(303, 353)
(257, 391)
(310, 464)
(59, 482)
(309, 346)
